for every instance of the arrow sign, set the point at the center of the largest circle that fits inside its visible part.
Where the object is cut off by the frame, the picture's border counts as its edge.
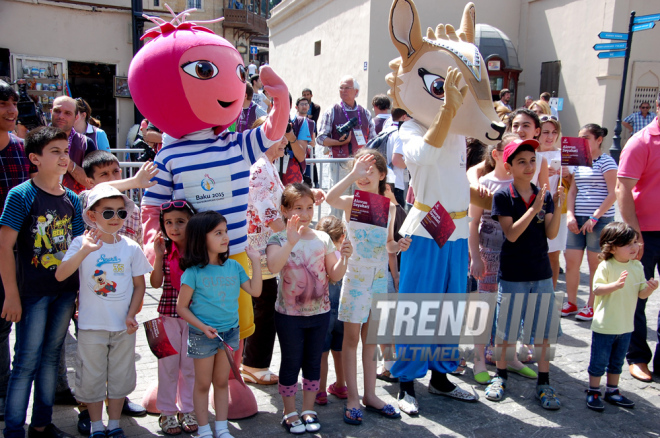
(619, 54)
(613, 36)
(610, 46)
(644, 26)
(647, 18)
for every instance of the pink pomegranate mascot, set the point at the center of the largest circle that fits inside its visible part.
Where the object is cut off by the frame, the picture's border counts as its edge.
(190, 83)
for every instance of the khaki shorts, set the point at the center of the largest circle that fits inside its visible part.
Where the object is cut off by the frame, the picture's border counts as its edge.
(104, 356)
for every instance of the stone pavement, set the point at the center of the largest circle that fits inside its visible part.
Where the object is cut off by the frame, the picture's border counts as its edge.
(519, 414)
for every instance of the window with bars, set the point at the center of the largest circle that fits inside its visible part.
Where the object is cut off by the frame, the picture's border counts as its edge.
(197, 4)
(645, 94)
(156, 3)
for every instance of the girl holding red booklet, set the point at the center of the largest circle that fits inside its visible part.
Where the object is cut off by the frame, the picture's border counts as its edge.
(366, 274)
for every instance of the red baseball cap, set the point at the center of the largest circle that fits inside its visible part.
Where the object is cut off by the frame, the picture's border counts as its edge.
(512, 147)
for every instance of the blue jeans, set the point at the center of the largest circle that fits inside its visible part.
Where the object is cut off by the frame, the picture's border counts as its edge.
(607, 351)
(5, 372)
(39, 337)
(524, 289)
(639, 351)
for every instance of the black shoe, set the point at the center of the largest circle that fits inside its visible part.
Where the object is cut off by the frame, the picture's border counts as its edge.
(84, 423)
(617, 399)
(65, 398)
(594, 401)
(133, 409)
(49, 432)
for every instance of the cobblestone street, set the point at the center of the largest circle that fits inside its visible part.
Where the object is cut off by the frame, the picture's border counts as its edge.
(519, 414)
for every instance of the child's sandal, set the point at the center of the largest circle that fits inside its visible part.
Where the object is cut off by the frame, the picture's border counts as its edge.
(224, 433)
(188, 422)
(339, 392)
(311, 423)
(296, 427)
(321, 398)
(169, 423)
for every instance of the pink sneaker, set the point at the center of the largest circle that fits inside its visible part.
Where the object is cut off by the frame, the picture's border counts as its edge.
(568, 309)
(586, 314)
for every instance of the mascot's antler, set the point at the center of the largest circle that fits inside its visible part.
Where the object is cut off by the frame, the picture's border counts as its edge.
(466, 32)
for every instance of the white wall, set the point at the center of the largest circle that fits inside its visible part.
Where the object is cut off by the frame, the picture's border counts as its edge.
(342, 26)
(566, 30)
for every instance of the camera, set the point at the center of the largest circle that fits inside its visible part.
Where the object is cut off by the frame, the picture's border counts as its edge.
(147, 151)
(347, 127)
(30, 114)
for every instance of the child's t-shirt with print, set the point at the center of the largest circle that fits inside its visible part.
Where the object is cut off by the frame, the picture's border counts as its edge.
(46, 225)
(106, 283)
(303, 285)
(614, 313)
(215, 293)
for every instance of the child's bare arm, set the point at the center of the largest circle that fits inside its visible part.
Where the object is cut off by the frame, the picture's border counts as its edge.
(182, 309)
(143, 179)
(139, 287)
(608, 288)
(513, 230)
(156, 277)
(11, 309)
(255, 284)
(336, 267)
(651, 286)
(91, 241)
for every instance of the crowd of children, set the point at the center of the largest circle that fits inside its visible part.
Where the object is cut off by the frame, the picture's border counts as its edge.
(328, 275)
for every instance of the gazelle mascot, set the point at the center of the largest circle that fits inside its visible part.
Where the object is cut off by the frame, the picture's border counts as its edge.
(442, 82)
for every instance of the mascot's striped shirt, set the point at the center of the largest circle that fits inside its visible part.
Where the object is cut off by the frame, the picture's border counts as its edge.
(212, 173)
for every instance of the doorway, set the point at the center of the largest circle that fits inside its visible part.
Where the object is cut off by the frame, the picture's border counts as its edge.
(94, 82)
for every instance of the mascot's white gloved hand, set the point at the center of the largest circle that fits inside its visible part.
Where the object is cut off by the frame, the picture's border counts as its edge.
(437, 132)
(275, 125)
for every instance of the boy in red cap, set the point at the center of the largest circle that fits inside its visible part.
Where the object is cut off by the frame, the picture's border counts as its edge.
(525, 213)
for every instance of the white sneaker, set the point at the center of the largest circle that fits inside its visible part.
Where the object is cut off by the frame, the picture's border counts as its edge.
(409, 405)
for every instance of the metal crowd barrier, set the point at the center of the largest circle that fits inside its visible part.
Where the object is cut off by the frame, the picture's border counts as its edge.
(129, 167)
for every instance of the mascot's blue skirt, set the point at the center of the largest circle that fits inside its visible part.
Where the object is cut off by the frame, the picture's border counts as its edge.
(426, 268)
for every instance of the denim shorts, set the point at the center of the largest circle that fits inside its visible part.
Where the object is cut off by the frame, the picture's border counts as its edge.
(608, 353)
(508, 293)
(590, 241)
(201, 347)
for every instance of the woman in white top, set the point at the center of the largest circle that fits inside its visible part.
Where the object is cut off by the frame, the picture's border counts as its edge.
(549, 149)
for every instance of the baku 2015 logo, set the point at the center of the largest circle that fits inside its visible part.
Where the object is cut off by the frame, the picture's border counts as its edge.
(208, 183)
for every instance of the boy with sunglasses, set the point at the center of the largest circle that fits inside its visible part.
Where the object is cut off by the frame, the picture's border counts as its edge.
(112, 287)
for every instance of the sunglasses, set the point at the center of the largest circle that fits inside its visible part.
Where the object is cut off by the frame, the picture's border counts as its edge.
(546, 117)
(109, 214)
(166, 206)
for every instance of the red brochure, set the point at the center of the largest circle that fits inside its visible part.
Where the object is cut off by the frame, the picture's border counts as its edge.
(157, 338)
(370, 208)
(439, 224)
(575, 151)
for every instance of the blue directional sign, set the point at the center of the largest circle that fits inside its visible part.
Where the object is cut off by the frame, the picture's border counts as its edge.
(643, 26)
(254, 50)
(613, 36)
(646, 18)
(619, 54)
(611, 46)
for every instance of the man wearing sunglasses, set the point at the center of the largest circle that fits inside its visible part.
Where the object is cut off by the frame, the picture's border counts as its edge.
(640, 119)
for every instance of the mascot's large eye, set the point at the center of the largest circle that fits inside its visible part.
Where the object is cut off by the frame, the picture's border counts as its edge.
(240, 72)
(434, 84)
(200, 69)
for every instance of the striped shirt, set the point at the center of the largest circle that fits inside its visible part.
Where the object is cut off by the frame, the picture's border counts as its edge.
(46, 225)
(212, 172)
(591, 186)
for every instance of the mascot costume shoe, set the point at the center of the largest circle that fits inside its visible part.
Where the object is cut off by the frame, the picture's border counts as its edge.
(190, 83)
(442, 82)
